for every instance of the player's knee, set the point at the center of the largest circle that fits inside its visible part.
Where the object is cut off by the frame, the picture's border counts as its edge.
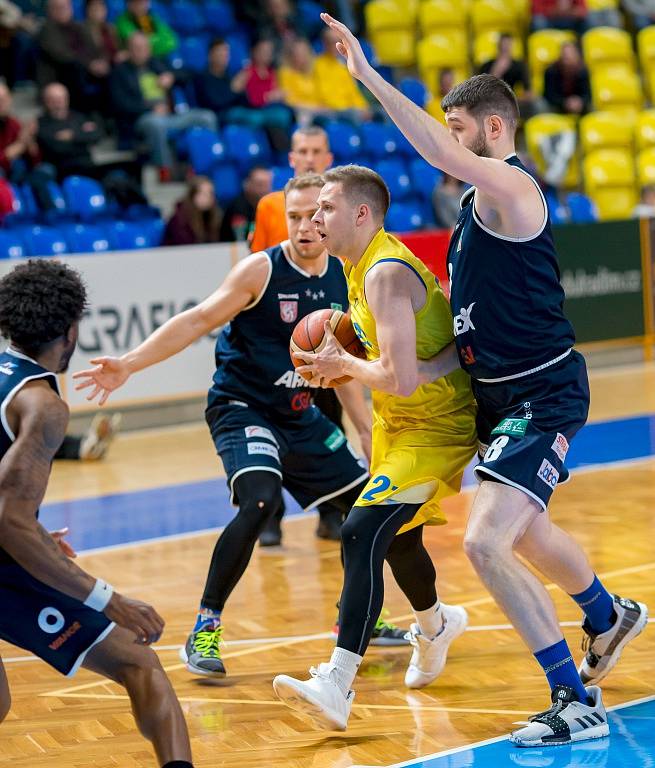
(356, 529)
(138, 672)
(480, 550)
(259, 494)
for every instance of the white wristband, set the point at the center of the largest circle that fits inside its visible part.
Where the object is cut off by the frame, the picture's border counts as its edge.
(99, 596)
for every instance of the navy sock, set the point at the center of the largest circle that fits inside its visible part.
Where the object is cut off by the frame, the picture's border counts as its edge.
(598, 606)
(557, 663)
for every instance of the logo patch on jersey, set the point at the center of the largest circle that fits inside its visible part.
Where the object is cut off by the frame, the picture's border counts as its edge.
(264, 448)
(7, 368)
(256, 431)
(548, 474)
(560, 446)
(335, 440)
(336, 305)
(289, 311)
(293, 380)
(515, 427)
(462, 322)
(295, 296)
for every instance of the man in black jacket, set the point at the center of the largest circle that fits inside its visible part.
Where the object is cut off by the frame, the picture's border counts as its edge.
(140, 89)
(566, 82)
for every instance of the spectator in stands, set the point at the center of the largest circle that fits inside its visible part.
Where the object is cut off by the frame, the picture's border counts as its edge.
(446, 81)
(219, 91)
(65, 137)
(101, 32)
(138, 18)
(140, 89)
(642, 12)
(17, 43)
(197, 217)
(645, 209)
(298, 80)
(280, 23)
(559, 14)
(566, 82)
(239, 216)
(18, 148)
(445, 201)
(68, 55)
(337, 88)
(513, 71)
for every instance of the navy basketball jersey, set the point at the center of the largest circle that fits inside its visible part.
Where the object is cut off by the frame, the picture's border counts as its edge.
(506, 296)
(16, 370)
(253, 365)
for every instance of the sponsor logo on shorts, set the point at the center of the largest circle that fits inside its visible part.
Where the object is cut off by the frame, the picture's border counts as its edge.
(560, 446)
(528, 410)
(56, 644)
(335, 440)
(462, 322)
(548, 473)
(256, 431)
(336, 305)
(514, 427)
(266, 448)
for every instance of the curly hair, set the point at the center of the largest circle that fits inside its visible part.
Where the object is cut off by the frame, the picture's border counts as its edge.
(39, 302)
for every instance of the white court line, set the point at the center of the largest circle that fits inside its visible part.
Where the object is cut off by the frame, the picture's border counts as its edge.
(417, 761)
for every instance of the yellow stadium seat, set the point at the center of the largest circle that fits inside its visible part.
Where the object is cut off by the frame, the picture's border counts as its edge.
(543, 49)
(496, 15)
(485, 47)
(602, 5)
(391, 25)
(433, 107)
(645, 129)
(609, 176)
(441, 51)
(540, 126)
(607, 45)
(646, 49)
(616, 88)
(436, 15)
(646, 167)
(605, 130)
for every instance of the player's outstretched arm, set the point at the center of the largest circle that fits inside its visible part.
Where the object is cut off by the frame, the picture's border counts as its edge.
(39, 419)
(241, 287)
(431, 140)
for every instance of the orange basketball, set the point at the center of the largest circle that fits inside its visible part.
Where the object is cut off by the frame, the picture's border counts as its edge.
(309, 336)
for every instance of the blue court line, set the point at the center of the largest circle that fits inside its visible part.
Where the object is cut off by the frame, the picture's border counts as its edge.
(631, 744)
(179, 509)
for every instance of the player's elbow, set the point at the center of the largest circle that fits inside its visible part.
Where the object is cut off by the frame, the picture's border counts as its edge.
(405, 383)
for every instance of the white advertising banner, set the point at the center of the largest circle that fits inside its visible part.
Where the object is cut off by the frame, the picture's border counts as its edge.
(131, 294)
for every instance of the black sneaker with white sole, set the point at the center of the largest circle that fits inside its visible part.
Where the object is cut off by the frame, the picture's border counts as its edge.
(567, 721)
(604, 650)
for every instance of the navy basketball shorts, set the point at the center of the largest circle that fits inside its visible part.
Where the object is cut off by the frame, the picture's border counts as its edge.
(310, 454)
(49, 624)
(525, 426)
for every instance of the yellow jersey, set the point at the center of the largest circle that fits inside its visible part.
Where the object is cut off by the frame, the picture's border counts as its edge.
(428, 438)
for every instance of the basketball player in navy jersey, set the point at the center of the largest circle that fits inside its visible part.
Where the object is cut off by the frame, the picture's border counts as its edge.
(260, 413)
(531, 386)
(48, 605)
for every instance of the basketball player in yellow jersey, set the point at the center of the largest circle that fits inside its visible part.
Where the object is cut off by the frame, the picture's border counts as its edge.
(423, 438)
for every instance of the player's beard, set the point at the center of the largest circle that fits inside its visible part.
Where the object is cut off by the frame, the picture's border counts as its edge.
(479, 145)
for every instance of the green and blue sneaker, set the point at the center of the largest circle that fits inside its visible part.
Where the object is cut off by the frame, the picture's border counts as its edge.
(202, 652)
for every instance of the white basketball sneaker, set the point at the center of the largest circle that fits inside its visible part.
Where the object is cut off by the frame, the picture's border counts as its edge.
(320, 697)
(568, 720)
(603, 651)
(429, 656)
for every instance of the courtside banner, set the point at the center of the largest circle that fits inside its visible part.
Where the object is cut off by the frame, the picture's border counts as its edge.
(131, 294)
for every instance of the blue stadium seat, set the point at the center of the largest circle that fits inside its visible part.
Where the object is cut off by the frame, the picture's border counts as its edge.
(11, 245)
(44, 241)
(58, 199)
(153, 229)
(239, 51)
(310, 17)
(193, 52)
(404, 217)
(402, 144)
(379, 139)
(557, 211)
(219, 17)
(281, 174)
(246, 146)
(114, 9)
(227, 183)
(415, 90)
(206, 149)
(581, 208)
(424, 177)
(163, 10)
(345, 141)
(18, 211)
(129, 235)
(186, 17)
(87, 238)
(394, 172)
(84, 197)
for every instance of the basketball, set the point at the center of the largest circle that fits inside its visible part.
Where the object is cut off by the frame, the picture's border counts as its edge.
(309, 336)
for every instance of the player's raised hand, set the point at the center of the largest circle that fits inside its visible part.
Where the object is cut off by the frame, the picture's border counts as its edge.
(140, 618)
(348, 47)
(109, 374)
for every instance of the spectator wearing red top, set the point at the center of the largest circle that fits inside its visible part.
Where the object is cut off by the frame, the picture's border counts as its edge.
(571, 14)
(18, 149)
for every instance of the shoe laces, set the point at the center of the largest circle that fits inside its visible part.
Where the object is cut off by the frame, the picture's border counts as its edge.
(382, 622)
(207, 642)
(323, 672)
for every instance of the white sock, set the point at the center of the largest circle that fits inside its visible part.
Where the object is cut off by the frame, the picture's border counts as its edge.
(347, 664)
(430, 621)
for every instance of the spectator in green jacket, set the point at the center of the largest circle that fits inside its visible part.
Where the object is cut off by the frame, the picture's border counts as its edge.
(138, 18)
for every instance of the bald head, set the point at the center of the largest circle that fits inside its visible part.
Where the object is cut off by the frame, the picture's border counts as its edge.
(56, 100)
(138, 49)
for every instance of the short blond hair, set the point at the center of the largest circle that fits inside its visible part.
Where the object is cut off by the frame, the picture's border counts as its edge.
(362, 185)
(306, 181)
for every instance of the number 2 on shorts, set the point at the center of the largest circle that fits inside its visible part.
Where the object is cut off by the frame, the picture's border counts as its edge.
(379, 484)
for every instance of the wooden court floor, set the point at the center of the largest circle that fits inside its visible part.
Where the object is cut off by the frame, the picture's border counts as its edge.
(280, 615)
